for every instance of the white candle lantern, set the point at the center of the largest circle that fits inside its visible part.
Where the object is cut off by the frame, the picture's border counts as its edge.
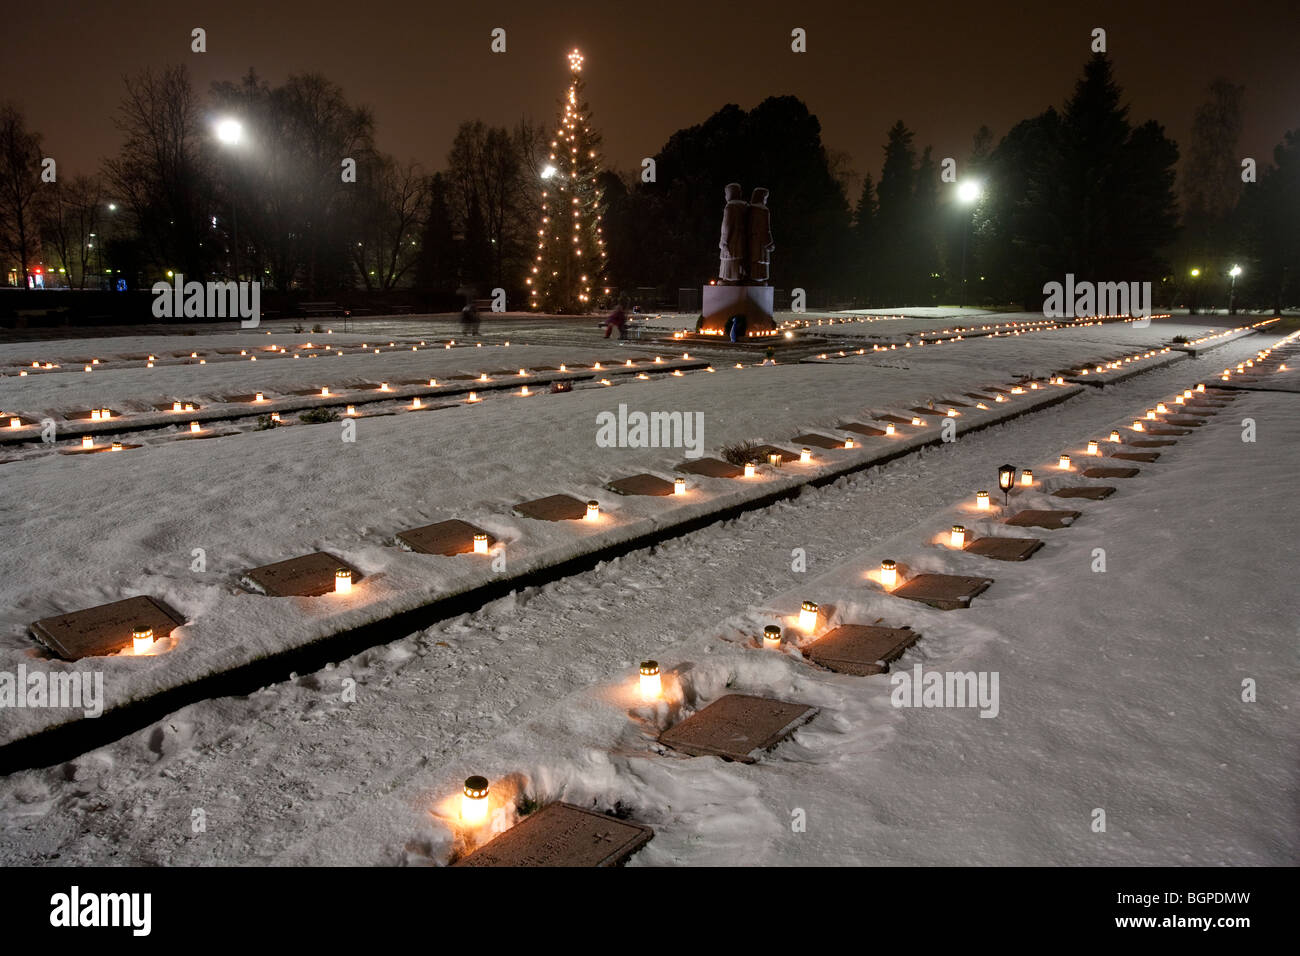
(1114, 436)
(679, 486)
(473, 397)
(774, 459)
(1138, 426)
(889, 428)
(141, 640)
(259, 397)
(1027, 478)
(593, 510)
(771, 637)
(651, 683)
(480, 543)
(958, 537)
(324, 392)
(87, 441)
(415, 403)
(116, 446)
(474, 801)
(982, 501)
(916, 420)
(805, 455)
(808, 616)
(275, 416)
(352, 409)
(889, 574)
(1093, 448)
(1200, 387)
(194, 427)
(848, 443)
(94, 414)
(342, 581)
(750, 469)
(176, 406)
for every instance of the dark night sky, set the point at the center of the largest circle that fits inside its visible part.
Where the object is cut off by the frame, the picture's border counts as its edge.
(654, 67)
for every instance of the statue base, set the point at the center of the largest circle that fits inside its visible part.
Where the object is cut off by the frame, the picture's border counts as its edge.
(755, 302)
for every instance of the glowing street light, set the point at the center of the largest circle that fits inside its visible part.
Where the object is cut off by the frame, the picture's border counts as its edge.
(230, 131)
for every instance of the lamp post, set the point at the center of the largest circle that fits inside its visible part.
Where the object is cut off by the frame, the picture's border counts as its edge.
(230, 132)
(1196, 274)
(968, 193)
(1006, 478)
(1232, 289)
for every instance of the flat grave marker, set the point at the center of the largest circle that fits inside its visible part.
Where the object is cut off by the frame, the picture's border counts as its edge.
(561, 834)
(309, 575)
(1035, 518)
(642, 484)
(447, 538)
(1146, 456)
(817, 441)
(1152, 444)
(710, 468)
(1110, 472)
(105, 629)
(1004, 548)
(861, 429)
(553, 508)
(1090, 492)
(737, 727)
(858, 649)
(947, 592)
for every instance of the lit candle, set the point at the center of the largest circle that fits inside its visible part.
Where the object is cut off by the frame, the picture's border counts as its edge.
(415, 402)
(772, 636)
(774, 459)
(194, 427)
(116, 446)
(808, 616)
(1027, 478)
(593, 510)
(917, 421)
(259, 397)
(483, 377)
(142, 639)
(952, 412)
(94, 415)
(324, 392)
(889, 428)
(651, 684)
(275, 416)
(176, 406)
(679, 486)
(982, 501)
(889, 574)
(1092, 448)
(805, 455)
(480, 543)
(352, 409)
(473, 397)
(958, 537)
(1114, 436)
(383, 387)
(342, 581)
(1137, 426)
(524, 391)
(1200, 387)
(474, 802)
(87, 441)
(1179, 400)
(750, 469)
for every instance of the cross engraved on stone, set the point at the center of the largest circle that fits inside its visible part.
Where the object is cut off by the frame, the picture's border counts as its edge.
(606, 836)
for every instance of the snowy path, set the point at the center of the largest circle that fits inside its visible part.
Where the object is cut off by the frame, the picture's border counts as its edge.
(295, 774)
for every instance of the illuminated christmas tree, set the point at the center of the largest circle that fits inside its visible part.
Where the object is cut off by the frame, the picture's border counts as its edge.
(570, 259)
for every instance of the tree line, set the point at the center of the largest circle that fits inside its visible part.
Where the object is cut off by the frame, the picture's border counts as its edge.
(1084, 189)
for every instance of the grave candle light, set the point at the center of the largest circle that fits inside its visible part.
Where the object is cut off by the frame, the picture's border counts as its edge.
(116, 446)
(94, 414)
(958, 537)
(1114, 436)
(275, 416)
(808, 616)
(474, 801)
(889, 574)
(176, 406)
(1093, 448)
(352, 409)
(473, 397)
(848, 443)
(87, 441)
(342, 581)
(1138, 426)
(651, 683)
(771, 637)
(1151, 414)
(433, 383)
(1162, 408)
(141, 640)
(1179, 400)
(593, 510)
(259, 397)
(524, 391)
(324, 392)
(774, 459)
(679, 486)
(916, 420)
(194, 427)
(415, 403)
(1200, 387)
(480, 543)
(889, 428)
(383, 387)
(749, 469)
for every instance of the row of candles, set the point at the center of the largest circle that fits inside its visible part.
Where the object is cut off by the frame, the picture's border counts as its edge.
(475, 794)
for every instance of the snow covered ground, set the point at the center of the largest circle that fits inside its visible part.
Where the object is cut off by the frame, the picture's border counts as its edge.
(535, 690)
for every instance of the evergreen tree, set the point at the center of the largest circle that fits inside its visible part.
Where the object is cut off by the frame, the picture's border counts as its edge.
(864, 237)
(894, 264)
(570, 260)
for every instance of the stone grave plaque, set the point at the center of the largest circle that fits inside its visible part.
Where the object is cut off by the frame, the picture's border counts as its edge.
(998, 391)
(1198, 412)
(167, 407)
(94, 451)
(762, 451)
(445, 537)
(250, 398)
(1147, 456)
(1168, 431)
(947, 592)
(933, 412)
(1005, 549)
(979, 397)
(1110, 472)
(894, 419)
(737, 727)
(1032, 518)
(1183, 422)
(561, 834)
(955, 404)
(861, 429)
(711, 468)
(4, 422)
(309, 575)
(553, 508)
(1091, 492)
(641, 485)
(859, 649)
(817, 441)
(1152, 444)
(105, 629)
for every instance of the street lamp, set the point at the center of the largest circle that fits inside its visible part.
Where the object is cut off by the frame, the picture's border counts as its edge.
(968, 193)
(1196, 273)
(1232, 289)
(1006, 478)
(230, 132)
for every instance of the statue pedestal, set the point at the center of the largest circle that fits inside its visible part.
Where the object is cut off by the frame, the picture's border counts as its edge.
(720, 302)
